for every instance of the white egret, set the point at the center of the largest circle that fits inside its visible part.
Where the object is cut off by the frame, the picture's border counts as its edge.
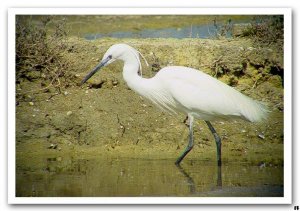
(186, 90)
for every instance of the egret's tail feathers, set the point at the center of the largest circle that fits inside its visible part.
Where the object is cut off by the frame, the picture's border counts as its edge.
(255, 111)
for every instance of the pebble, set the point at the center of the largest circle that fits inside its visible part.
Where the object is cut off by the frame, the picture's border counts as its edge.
(243, 131)
(86, 92)
(52, 146)
(261, 136)
(262, 165)
(115, 83)
(66, 93)
(69, 113)
(31, 103)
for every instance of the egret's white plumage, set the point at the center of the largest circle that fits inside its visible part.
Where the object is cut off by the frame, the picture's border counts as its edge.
(183, 89)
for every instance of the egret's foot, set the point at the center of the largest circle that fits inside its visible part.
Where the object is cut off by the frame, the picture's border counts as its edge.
(185, 152)
(177, 163)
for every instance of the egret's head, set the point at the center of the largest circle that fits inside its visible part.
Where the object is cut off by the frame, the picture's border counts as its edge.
(118, 51)
(115, 52)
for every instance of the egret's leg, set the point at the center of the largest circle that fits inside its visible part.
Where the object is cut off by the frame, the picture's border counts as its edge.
(218, 142)
(185, 121)
(190, 145)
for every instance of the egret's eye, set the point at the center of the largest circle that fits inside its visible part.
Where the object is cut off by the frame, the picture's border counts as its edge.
(110, 56)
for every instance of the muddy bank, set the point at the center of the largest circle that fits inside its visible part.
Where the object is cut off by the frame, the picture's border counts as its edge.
(106, 118)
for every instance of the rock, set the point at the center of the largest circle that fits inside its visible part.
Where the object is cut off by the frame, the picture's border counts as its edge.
(69, 113)
(52, 146)
(262, 136)
(31, 103)
(262, 165)
(115, 83)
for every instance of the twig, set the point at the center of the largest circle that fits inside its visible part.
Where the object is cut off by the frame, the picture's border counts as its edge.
(53, 95)
(122, 126)
(47, 87)
(56, 77)
(255, 83)
(215, 63)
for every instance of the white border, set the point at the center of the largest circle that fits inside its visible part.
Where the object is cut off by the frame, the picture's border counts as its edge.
(287, 199)
(149, 11)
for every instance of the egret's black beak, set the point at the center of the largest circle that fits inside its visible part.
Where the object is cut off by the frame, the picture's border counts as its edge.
(98, 67)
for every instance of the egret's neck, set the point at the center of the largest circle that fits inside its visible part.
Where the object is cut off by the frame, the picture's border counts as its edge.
(130, 74)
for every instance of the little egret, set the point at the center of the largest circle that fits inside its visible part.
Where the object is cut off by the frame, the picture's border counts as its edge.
(185, 90)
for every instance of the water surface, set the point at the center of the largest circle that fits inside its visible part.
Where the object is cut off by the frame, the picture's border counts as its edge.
(141, 177)
(198, 31)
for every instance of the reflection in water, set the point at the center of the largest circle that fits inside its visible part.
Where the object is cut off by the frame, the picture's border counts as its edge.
(137, 177)
(219, 180)
(191, 182)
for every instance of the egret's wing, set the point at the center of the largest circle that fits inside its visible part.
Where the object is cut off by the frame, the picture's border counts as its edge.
(200, 93)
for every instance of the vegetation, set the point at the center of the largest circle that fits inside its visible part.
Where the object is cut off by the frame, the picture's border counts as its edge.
(38, 53)
(266, 30)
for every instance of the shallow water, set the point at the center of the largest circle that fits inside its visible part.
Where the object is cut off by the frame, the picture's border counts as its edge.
(147, 26)
(140, 177)
(198, 31)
